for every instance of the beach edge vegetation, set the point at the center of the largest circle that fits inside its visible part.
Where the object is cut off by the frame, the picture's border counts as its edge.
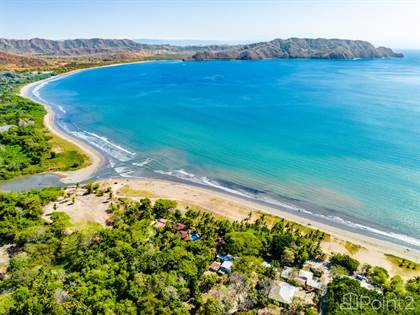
(153, 258)
(26, 144)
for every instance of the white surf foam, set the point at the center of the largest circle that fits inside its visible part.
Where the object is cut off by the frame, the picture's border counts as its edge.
(124, 171)
(182, 174)
(114, 150)
(143, 163)
(61, 109)
(35, 91)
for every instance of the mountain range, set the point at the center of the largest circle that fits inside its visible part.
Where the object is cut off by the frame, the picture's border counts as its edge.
(319, 48)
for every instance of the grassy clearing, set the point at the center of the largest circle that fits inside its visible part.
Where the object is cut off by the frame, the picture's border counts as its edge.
(352, 248)
(68, 156)
(129, 192)
(402, 264)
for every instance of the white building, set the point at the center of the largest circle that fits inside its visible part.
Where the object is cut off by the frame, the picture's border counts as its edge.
(287, 272)
(305, 275)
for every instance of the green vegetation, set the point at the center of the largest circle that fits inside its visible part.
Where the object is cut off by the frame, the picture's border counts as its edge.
(345, 261)
(129, 192)
(135, 267)
(132, 267)
(26, 146)
(346, 296)
(352, 248)
(402, 263)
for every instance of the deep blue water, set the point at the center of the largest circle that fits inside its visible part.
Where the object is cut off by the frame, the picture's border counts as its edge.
(337, 138)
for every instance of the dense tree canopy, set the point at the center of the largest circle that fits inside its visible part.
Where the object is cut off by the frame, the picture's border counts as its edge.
(131, 266)
(26, 147)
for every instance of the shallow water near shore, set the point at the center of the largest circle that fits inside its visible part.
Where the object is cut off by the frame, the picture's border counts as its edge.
(339, 139)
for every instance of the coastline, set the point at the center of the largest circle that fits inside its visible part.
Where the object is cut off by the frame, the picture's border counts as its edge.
(98, 160)
(233, 207)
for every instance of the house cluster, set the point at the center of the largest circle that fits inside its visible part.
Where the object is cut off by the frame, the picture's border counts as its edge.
(303, 283)
(222, 265)
(186, 234)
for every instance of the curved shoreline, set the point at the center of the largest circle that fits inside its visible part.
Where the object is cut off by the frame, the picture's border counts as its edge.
(97, 159)
(237, 208)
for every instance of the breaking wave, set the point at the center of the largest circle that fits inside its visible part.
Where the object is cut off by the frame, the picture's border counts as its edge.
(203, 180)
(114, 150)
(143, 163)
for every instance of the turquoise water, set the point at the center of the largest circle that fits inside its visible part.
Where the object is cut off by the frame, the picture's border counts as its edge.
(340, 139)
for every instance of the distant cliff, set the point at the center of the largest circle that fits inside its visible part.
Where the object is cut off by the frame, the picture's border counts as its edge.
(319, 48)
(290, 48)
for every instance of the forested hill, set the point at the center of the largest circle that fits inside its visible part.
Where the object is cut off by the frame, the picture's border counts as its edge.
(319, 48)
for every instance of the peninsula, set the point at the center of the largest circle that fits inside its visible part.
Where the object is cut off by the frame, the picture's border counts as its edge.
(153, 246)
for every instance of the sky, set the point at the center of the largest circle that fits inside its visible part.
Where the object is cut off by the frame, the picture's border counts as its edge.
(395, 24)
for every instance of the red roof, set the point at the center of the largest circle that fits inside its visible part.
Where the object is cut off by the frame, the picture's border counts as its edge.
(184, 235)
(179, 226)
(161, 223)
(215, 266)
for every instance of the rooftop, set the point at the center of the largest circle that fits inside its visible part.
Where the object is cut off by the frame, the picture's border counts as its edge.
(305, 274)
(215, 266)
(287, 272)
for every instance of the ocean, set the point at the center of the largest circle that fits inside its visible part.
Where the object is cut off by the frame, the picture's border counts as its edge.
(335, 139)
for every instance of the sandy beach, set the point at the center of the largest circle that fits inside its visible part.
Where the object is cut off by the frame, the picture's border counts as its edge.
(89, 208)
(371, 250)
(96, 158)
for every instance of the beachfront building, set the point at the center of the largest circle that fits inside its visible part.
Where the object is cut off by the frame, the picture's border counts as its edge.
(215, 266)
(305, 275)
(5, 128)
(179, 226)
(364, 283)
(184, 235)
(305, 278)
(314, 284)
(282, 292)
(161, 223)
(287, 273)
(225, 258)
(226, 266)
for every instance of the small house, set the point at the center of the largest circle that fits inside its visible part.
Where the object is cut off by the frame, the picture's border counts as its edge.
(225, 258)
(305, 275)
(287, 273)
(314, 284)
(366, 285)
(179, 226)
(184, 235)
(226, 266)
(5, 128)
(161, 223)
(215, 266)
(194, 236)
